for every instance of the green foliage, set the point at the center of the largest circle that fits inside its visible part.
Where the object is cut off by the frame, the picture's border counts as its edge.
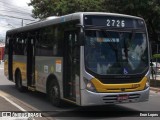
(45, 8)
(156, 56)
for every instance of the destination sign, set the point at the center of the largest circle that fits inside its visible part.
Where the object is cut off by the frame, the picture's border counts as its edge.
(113, 22)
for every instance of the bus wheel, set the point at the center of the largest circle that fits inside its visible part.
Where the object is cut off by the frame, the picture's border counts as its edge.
(54, 93)
(18, 79)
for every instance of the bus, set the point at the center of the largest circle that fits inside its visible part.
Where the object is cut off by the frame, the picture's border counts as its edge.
(86, 58)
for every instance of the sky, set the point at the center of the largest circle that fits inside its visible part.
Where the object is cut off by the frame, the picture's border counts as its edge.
(11, 14)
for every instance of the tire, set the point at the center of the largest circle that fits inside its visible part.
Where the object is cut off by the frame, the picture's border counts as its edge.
(54, 93)
(18, 79)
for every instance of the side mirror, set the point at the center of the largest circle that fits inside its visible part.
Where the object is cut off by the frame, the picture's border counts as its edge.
(81, 38)
(151, 64)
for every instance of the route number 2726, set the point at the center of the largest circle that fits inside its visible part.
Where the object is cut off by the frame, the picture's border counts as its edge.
(115, 23)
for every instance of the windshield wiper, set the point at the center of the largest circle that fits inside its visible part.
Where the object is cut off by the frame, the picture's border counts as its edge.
(125, 49)
(112, 41)
(115, 48)
(125, 45)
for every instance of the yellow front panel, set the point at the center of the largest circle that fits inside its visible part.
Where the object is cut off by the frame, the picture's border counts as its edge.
(128, 87)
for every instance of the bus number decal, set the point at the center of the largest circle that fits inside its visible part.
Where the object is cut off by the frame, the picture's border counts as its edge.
(108, 22)
(115, 23)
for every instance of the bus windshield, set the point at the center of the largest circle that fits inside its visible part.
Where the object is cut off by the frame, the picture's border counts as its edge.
(115, 52)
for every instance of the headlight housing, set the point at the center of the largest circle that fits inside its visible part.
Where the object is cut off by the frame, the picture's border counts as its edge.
(147, 83)
(89, 85)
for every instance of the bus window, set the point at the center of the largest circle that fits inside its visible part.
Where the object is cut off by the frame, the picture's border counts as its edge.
(46, 42)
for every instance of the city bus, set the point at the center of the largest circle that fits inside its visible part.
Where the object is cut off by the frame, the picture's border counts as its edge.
(86, 58)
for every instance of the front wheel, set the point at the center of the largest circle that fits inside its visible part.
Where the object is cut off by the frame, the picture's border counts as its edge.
(54, 93)
(18, 81)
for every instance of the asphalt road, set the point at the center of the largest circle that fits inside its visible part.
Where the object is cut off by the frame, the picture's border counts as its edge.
(12, 100)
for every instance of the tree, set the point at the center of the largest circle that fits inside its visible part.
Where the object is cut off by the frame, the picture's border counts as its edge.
(45, 8)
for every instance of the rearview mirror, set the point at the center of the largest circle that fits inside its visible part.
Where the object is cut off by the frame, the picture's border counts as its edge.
(151, 64)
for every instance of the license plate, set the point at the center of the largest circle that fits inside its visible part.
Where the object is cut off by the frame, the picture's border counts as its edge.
(122, 97)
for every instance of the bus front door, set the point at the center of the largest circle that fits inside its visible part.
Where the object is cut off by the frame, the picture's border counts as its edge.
(30, 62)
(10, 59)
(71, 65)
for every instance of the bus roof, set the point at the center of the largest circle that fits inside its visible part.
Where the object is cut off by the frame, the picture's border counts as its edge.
(65, 18)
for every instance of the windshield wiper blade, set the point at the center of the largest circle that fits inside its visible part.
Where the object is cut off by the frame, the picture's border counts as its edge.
(125, 49)
(111, 45)
(125, 45)
(115, 48)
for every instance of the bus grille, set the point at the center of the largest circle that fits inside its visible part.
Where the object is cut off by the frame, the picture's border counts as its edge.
(119, 81)
(112, 99)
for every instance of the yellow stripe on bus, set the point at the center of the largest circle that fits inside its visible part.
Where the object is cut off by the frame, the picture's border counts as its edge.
(129, 87)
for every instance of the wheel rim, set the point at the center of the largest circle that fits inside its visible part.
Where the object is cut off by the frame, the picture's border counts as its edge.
(54, 92)
(18, 81)
(19, 84)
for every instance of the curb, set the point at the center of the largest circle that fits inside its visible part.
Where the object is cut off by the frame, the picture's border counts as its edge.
(155, 89)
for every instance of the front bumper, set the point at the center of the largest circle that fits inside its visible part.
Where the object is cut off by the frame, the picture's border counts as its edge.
(91, 98)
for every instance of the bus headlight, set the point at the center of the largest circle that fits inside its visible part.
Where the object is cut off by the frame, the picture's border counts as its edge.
(89, 85)
(147, 84)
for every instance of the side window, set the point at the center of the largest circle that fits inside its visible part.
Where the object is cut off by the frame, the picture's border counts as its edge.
(46, 42)
(19, 44)
(73, 47)
(14, 45)
(24, 44)
(7, 44)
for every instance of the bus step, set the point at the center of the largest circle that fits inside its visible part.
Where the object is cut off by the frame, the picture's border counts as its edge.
(32, 88)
